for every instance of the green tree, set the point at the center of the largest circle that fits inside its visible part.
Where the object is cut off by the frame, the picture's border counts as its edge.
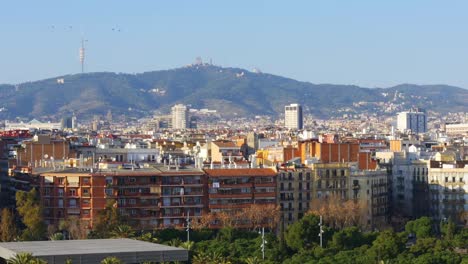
(123, 231)
(421, 227)
(148, 237)
(303, 233)
(423, 245)
(111, 260)
(348, 238)
(252, 260)
(448, 229)
(107, 221)
(57, 236)
(30, 210)
(387, 246)
(25, 258)
(8, 230)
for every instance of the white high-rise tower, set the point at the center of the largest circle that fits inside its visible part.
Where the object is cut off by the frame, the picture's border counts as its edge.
(414, 121)
(293, 116)
(180, 117)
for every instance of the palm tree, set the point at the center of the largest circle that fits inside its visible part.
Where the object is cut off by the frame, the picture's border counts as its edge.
(188, 245)
(111, 260)
(252, 260)
(201, 258)
(175, 242)
(148, 237)
(25, 258)
(123, 231)
(213, 258)
(57, 236)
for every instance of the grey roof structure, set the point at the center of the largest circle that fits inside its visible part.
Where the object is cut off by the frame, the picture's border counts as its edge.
(91, 251)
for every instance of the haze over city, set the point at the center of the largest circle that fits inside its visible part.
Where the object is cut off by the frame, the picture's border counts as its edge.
(366, 43)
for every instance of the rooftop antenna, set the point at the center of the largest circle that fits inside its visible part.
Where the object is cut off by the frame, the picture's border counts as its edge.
(82, 54)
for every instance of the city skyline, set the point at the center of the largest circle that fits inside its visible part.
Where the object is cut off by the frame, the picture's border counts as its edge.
(362, 43)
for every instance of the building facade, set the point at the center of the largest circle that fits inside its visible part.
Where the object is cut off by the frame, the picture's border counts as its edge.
(414, 121)
(293, 116)
(294, 194)
(449, 194)
(180, 116)
(151, 198)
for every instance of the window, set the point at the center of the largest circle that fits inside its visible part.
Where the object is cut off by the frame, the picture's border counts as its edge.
(46, 191)
(86, 202)
(109, 192)
(86, 212)
(86, 192)
(132, 201)
(132, 180)
(61, 180)
(85, 180)
(72, 192)
(60, 192)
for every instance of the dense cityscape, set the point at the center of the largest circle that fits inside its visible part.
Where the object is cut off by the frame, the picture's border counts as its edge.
(330, 191)
(234, 132)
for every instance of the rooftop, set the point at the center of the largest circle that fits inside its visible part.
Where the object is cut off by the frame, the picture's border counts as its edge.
(240, 172)
(94, 250)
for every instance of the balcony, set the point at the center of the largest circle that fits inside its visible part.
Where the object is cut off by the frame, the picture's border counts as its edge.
(228, 195)
(265, 194)
(229, 206)
(265, 184)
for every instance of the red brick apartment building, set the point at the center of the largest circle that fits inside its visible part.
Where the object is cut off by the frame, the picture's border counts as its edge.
(156, 197)
(231, 190)
(150, 197)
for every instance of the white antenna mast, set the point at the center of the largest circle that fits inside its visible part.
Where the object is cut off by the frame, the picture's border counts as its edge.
(82, 54)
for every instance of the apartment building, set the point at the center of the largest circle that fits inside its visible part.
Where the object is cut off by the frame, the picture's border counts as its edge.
(410, 189)
(294, 193)
(231, 190)
(225, 151)
(370, 188)
(154, 197)
(449, 193)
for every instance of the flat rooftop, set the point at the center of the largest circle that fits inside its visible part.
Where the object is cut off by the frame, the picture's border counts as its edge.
(94, 250)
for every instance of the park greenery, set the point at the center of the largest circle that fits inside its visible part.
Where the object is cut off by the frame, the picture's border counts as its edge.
(421, 241)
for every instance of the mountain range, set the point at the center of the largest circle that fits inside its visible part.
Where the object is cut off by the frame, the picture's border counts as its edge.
(230, 91)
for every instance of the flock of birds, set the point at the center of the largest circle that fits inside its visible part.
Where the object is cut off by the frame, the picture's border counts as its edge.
(69, 28)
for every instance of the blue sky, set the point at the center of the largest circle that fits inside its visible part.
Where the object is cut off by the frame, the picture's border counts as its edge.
(368, 43)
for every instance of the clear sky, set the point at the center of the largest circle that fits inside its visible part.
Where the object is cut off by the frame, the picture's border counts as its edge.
(370, 43)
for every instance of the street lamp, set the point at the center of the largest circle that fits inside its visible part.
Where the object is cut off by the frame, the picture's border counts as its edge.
(262, 246)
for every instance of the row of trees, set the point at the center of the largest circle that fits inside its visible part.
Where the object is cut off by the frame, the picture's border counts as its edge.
(238, 240)
(32, 226)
